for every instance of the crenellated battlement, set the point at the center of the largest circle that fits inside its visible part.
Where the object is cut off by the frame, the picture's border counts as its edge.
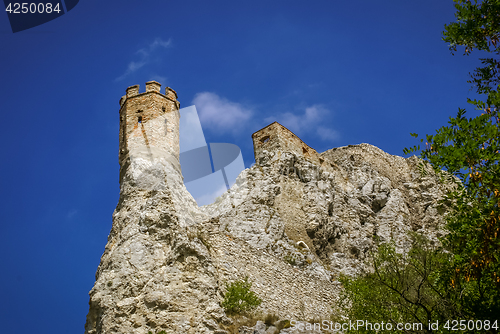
(132, 90)
(151, 87)
(170, 93)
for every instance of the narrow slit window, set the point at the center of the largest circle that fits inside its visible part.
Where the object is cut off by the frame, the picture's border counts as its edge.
(139, 119)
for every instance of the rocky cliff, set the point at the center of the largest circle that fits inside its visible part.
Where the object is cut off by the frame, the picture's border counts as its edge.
(292, 223)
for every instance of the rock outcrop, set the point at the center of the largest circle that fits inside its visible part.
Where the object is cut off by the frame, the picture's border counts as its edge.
(291, 223)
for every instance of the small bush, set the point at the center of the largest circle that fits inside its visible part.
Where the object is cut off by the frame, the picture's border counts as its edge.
(283, 324)
(270, 319)
(290, 259)
(239, 298)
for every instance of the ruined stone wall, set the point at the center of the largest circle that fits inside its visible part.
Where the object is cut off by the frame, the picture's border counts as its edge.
(275, 137)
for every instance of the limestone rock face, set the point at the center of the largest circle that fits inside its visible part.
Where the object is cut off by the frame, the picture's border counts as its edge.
(288, 225)
(291, 223)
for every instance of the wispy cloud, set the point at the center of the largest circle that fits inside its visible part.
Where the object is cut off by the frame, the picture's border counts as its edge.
(327, 134)
(220, 114)
(307, 121)
(145, 56)
(302, 121)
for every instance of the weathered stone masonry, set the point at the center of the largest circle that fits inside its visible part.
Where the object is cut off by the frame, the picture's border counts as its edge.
(276, 137)
(150, 121)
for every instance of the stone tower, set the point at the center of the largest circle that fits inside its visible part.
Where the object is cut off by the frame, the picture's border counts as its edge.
(149, 223)
(149, 136)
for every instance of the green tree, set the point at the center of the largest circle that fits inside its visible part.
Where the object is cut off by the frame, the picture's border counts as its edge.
(462, 280)
(469, 148)
(403, 288)
(238, 297)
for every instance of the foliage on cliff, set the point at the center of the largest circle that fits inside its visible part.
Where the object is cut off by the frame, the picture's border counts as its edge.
(466, 282)
(469, 149)
(239, 298)
(403, 288)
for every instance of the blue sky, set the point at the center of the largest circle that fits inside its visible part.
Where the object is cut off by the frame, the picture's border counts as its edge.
(334, 72)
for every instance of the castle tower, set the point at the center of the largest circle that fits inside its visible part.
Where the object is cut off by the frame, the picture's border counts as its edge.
(149, 135)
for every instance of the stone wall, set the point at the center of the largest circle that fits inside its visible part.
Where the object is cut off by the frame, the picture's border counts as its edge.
(276, 137)
(149, 121)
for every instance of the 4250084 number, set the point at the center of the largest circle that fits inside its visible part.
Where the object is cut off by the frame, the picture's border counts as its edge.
(40, 8)
(478, 325)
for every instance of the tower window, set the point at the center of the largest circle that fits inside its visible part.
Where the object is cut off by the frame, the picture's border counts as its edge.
(139, 119)
(163, 108)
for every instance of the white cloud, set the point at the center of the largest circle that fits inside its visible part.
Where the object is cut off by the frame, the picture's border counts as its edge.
(301, 122)
(157, 43)
(145, 55)
(220, 114)
(327, 134)
(134, 66)
(307, 122)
